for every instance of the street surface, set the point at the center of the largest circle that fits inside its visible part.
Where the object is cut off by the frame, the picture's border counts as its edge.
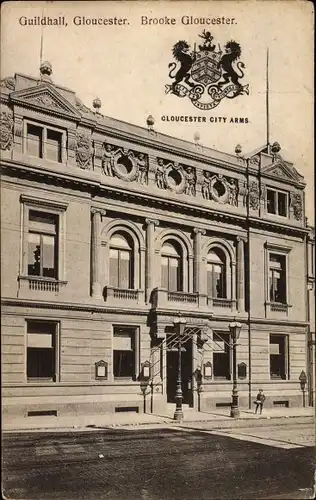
(179, 462)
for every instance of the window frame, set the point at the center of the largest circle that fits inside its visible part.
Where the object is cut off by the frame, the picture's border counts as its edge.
(283, 276)
(226, 337)
(56, 341)
(44, 128)
(45, 206)
(180, 264)
(223, 266)
(283, 251)
(136, 348)
(276, 192)
(130, 250)
(42, 233)
(286, 339)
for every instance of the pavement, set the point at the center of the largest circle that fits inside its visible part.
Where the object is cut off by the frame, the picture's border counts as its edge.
(216, 418)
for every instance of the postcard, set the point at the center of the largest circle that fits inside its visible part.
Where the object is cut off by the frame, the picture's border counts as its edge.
(158, 249)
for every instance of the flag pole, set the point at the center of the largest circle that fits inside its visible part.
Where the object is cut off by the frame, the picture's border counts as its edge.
(267, 101)
(42, 39)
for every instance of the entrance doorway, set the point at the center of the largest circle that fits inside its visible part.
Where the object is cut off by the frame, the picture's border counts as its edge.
(186, 369)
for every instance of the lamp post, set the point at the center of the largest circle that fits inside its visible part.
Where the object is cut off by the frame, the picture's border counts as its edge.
(179, 327)
(235, 329)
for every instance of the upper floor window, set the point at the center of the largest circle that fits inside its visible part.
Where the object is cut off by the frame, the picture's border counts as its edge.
(277, 278)
(41, 351)
(43, 244)
(216, 274)
(171, 266)
(121, 261)
(44, 142)
(43, 241)
(277, 202)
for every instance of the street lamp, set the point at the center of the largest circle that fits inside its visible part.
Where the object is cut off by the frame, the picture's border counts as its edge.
(179, 327)
(235, 329)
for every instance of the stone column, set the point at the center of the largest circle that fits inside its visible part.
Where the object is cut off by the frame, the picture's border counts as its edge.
(241, 274)
(150, 256)
(197, 259)
(97, 214)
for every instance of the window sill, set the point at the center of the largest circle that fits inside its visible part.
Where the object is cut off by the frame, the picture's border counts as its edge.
(278, 215)
(42, 284)
(44, 380)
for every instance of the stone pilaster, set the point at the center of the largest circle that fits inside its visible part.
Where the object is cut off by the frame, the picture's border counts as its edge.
(197, 259)
(241, 274)
(150, 256)
(97, 214)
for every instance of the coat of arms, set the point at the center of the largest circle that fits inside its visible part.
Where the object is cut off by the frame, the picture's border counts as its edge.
(209, 74)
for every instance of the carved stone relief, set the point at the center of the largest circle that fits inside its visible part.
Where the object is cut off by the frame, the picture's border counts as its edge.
(125, 164)
(190, 181)
(255, 160)
(6, 130)
(242, 192)
(83, 150)
(297, 205)
(45, 100)
(176, 177)
(253, 196)
(8, 83)
(220, 189)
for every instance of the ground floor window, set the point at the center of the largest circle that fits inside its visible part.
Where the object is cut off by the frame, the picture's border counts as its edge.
(221, 355)
(41, 350)
(125, 356)
(279, 356)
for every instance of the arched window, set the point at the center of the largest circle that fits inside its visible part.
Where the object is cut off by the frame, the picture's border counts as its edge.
(216, 274)
(171, 266)
(121, 261)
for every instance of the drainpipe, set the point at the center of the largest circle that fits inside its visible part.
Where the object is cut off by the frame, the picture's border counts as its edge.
(249, 294)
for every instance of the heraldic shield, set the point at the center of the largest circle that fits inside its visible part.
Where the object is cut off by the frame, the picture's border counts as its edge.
(206, 68)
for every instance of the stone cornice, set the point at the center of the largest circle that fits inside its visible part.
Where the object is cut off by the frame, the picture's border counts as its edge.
(160, 313)
(68, 306)
(152, 200)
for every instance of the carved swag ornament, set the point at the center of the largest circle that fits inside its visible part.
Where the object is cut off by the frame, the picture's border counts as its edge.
(6, 130)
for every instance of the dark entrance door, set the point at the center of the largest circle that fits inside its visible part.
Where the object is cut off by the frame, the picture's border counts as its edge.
(172, 372)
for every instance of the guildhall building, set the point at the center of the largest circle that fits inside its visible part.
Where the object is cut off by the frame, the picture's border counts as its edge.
(113, 235)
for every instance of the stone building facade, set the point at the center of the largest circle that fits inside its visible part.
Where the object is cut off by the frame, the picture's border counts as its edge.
(112, 232)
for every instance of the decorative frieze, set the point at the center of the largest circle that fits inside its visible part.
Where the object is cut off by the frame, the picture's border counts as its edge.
(6, 130)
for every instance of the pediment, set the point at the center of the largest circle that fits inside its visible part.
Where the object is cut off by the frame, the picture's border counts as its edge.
(282, 170)
(47, 99)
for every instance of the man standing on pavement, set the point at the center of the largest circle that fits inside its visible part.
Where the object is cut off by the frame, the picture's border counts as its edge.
(259, 401)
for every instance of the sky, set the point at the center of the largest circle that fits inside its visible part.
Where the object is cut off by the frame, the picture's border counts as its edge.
(126, 66)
